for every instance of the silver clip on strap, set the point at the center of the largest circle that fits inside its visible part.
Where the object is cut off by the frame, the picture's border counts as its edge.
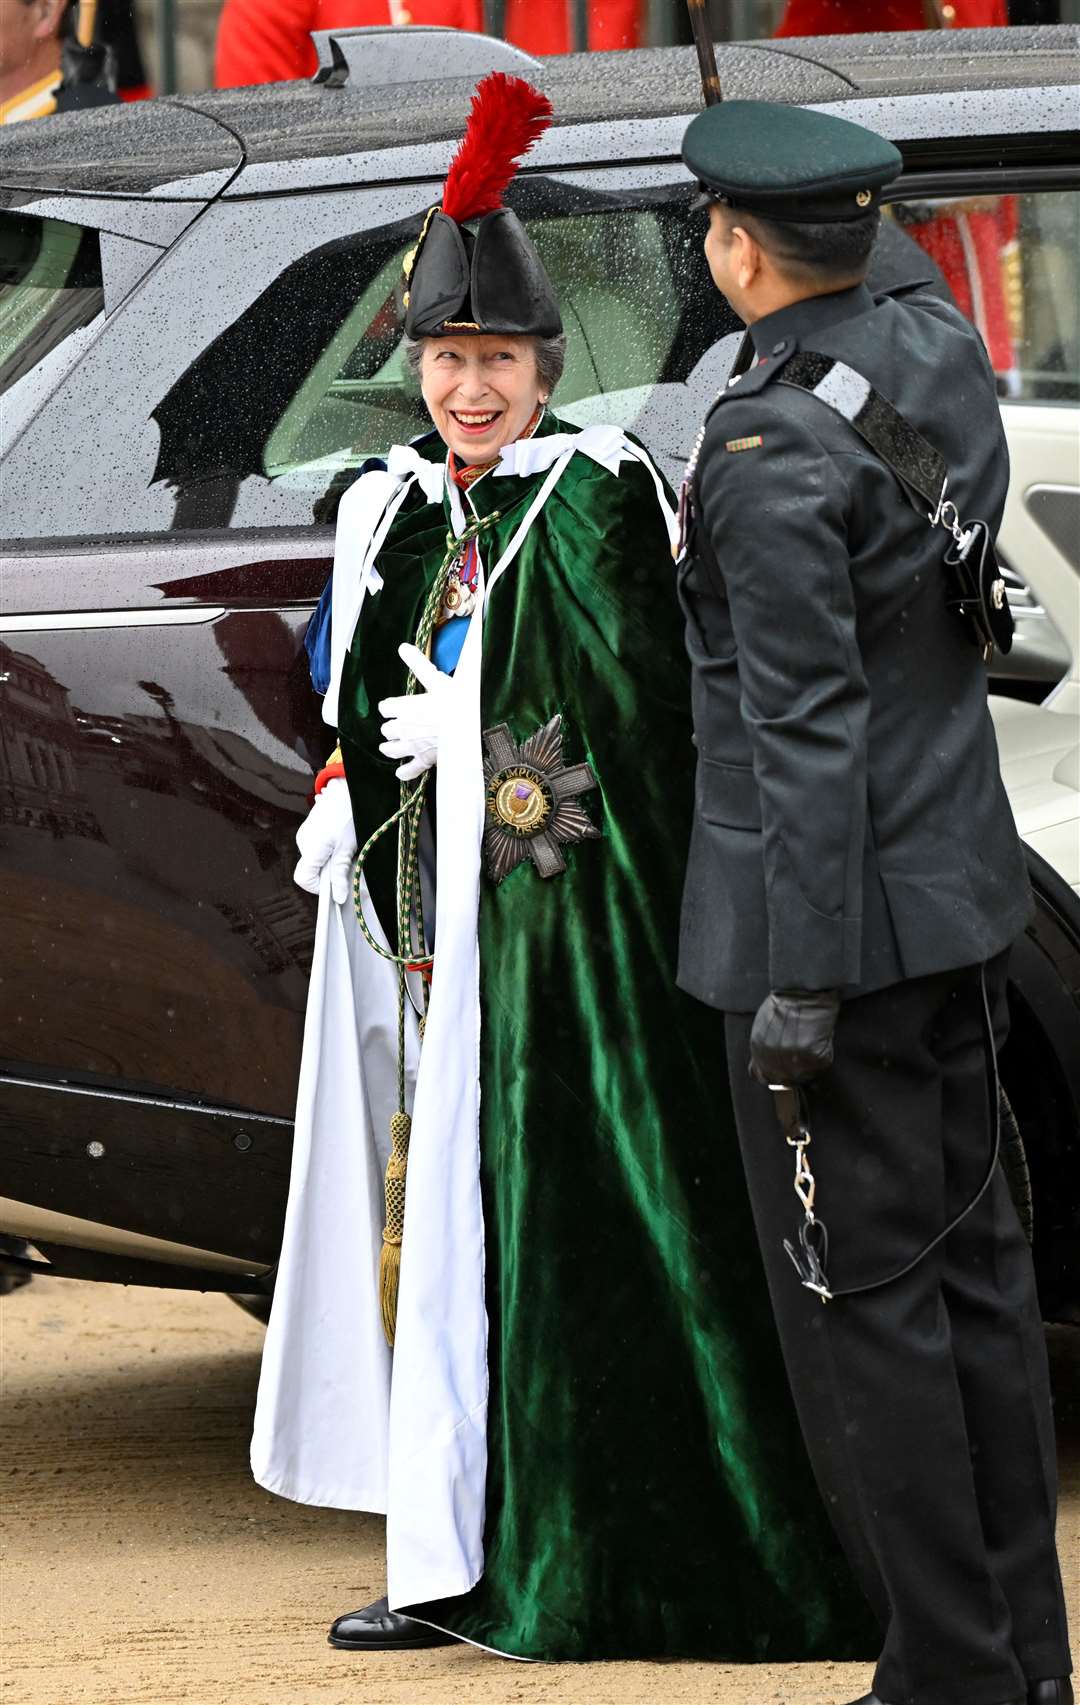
(948, 516)
(811, 1257)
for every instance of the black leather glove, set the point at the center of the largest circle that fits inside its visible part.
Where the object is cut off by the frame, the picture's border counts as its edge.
(792, 1037)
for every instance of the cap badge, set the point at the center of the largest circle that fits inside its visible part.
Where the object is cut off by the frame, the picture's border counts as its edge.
(864, 198)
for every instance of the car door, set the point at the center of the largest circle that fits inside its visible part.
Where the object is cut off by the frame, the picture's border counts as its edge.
(168, 515)
(159, 734)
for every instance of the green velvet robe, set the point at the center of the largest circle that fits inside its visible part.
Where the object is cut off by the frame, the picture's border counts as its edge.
(648, 1493)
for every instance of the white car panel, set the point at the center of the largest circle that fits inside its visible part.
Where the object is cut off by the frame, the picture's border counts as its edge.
(1040, 744)
(1044, 449)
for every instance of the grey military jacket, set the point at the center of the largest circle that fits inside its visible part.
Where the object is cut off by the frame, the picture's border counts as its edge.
(851, 828)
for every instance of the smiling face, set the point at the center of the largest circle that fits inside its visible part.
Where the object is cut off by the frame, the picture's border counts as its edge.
(481, 391)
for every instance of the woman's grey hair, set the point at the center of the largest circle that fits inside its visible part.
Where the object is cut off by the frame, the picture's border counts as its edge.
(550, 355)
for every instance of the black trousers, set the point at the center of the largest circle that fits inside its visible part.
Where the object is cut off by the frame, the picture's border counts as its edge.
(925, 1404)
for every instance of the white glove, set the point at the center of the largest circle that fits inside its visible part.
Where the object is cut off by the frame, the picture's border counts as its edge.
(413, 721)
(327, 837)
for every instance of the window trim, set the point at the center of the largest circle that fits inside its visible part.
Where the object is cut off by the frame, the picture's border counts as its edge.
(982, 180)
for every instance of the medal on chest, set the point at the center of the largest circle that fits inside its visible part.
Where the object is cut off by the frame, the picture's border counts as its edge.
(459, 598)
(531, 801)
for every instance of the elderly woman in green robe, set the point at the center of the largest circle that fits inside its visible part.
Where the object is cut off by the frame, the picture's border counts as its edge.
(515, 1153)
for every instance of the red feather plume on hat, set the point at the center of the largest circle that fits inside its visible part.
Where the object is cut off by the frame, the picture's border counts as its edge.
(506, 117)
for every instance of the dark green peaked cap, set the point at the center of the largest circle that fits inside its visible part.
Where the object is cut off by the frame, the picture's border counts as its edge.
(788, 163)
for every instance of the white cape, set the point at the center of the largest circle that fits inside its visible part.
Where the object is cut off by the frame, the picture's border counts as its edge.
(340, 1420)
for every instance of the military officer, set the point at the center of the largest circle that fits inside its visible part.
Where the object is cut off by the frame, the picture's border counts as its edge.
(854, 883)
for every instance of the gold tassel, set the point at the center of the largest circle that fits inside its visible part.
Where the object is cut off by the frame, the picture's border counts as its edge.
(389, 1278)
(394, 1229)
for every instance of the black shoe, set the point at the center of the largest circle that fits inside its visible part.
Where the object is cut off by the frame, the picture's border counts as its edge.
(377, 1628)
(1057, 1692)
(12, 1277)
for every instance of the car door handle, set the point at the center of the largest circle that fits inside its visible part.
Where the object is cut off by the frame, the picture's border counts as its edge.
(57, 621)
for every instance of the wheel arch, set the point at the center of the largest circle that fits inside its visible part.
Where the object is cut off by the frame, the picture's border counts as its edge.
(1040, 1069)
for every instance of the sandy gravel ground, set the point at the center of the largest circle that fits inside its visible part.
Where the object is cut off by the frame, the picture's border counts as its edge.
(143, 1567)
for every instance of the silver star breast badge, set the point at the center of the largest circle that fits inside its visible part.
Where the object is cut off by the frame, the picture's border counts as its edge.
(530, 801)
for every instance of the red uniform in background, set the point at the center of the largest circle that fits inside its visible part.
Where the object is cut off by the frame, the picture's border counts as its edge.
(268, 41)
(862, 17)
(545, 28)
(968, 240)
(971, 243)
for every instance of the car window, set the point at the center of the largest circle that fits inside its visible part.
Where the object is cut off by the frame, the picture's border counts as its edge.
(280, 372)
(51, 292)
(636, 302)
(1013, 265)
(632, 294)
(261, 363)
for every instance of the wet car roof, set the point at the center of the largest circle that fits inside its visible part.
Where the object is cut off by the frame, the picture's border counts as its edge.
(192, 147)
(130, 149)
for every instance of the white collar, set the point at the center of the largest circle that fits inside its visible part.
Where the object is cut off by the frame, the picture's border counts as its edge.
(403, 460)
(604, 444)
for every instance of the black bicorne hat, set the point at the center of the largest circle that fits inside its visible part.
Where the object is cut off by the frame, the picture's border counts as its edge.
(474, 267)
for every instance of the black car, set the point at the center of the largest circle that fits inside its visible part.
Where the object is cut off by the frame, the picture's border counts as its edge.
(199, 346)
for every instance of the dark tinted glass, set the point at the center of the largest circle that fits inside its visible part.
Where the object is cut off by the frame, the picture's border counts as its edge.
(50, 291)
(265, 421)
(315, 371)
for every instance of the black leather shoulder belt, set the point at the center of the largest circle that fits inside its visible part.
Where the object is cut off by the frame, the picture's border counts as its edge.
(977, 589)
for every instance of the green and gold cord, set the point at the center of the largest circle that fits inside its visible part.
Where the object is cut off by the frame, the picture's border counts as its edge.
(410, 942)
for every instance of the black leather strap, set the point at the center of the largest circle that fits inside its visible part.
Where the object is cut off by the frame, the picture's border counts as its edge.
(977, 588)
(811, 1260)
(917, 465)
